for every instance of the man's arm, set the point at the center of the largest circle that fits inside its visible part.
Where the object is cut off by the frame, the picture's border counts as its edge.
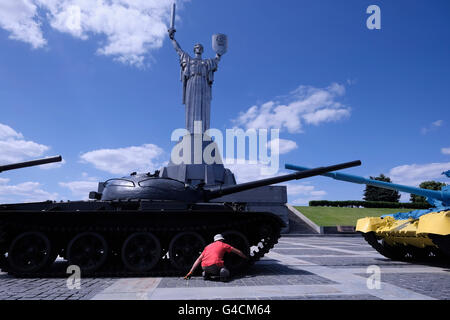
(239, 253)
(196, 263)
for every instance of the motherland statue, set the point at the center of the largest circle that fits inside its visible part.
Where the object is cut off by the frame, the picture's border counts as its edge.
(197, 75)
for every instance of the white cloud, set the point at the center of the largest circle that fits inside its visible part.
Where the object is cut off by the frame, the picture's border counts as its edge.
(143, 158)
(284, 146)
(445, 150)
(17, 150)
(307, 105)
(80, 188)
(414, 174)
(7, 133)
(303, 193)
(13, 147)
(438, 123)
(326, 115)
(130, 28)
(23, 192)
(295, 188)
(19, 18)
(433, 126)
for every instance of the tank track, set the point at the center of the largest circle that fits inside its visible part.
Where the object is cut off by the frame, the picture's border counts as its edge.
(242, 222)
(407, 253)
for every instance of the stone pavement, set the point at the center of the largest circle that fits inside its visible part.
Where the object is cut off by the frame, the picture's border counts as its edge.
(302, 267)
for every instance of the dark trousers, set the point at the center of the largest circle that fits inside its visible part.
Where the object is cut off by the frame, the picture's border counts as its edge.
(215, 270)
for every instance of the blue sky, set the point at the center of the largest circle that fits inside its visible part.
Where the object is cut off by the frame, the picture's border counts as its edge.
(105, 92)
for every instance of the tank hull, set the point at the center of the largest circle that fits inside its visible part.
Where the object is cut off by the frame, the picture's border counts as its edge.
(425, 238)
(116, 227)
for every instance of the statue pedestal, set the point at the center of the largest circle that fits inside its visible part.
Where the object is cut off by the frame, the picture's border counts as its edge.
(196, 159)
(194, 174)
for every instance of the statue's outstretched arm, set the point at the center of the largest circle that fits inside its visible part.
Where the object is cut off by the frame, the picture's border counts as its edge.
(174, 42)
(177, 47)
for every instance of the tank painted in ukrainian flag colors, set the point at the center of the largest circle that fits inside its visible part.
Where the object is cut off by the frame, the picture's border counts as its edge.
(411, 236)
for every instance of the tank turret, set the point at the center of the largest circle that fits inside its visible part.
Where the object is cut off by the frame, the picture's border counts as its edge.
(150, 187)
(31, 163)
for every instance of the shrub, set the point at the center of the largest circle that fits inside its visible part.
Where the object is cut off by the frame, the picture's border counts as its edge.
(369, 204)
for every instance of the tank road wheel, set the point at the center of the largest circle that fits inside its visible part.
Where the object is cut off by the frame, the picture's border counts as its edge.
(266, 233)
(87, 250)
(391, 252)
(418, 254)
(141, 252)
(238, 240)
(29, 252)
(184, 249)
(442, 242)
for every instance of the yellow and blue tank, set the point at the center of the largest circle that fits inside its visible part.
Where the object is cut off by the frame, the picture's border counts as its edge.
(415, 235)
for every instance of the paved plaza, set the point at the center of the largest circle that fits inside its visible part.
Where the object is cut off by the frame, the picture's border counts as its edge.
(298, 268)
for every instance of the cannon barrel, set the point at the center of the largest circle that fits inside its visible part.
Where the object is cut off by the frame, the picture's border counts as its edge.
(442, 195)
(29, 163)
(219, 191)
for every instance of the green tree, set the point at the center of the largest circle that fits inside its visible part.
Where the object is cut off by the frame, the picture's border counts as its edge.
(380, 194)
(431, 185)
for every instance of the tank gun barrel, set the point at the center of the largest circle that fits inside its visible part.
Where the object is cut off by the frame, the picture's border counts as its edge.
(220, 191)
(443, 196)
(29, 163)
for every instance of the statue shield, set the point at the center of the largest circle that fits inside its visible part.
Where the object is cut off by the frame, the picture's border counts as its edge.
(220, 43)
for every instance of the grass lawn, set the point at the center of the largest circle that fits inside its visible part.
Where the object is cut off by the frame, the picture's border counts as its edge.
(334, 216)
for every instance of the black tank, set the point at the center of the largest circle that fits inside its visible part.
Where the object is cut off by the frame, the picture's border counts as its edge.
(139, 225)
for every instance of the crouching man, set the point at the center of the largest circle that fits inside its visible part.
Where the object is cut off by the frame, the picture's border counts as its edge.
(211, 259)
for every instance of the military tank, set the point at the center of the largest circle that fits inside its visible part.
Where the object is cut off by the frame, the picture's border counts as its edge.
(142, 224)
(419, 235)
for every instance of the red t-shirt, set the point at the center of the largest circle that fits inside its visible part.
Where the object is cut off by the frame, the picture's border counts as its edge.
(213, 253)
